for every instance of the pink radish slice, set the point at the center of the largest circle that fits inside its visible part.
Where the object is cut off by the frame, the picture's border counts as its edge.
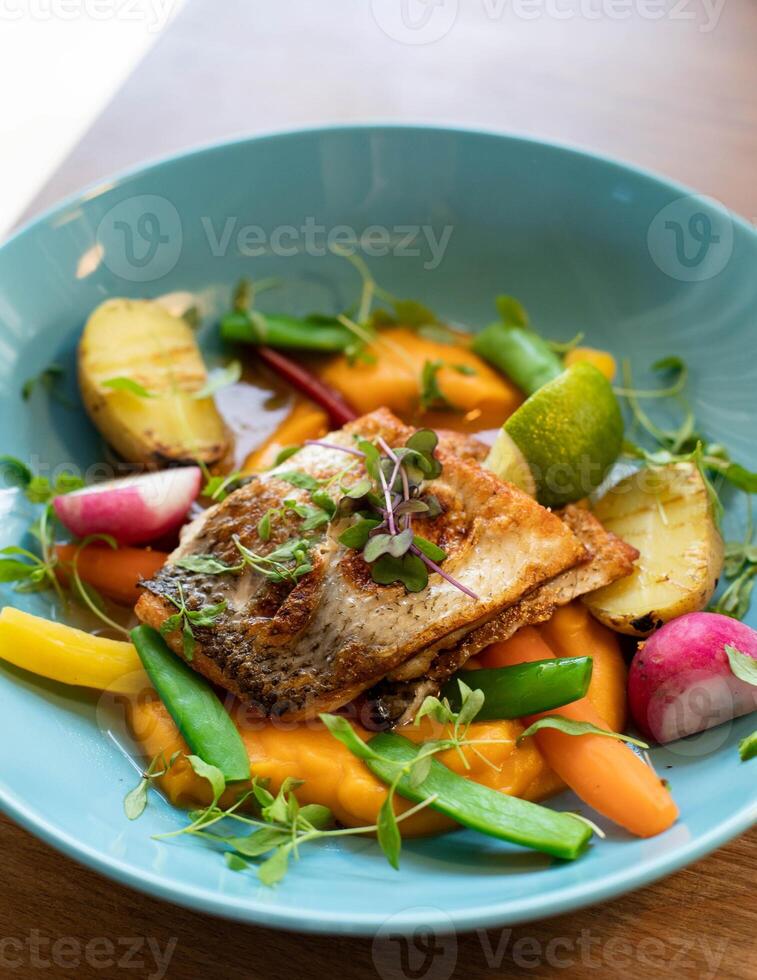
(134, 510)
(681, 682)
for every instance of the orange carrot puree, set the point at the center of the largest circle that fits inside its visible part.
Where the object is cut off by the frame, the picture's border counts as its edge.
(334, 777)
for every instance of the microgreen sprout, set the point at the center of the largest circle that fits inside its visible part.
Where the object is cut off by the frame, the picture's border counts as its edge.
(382, 510)
(185, 619)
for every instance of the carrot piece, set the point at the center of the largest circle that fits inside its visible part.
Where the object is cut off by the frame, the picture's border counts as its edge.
(114, 572)
(305, 421)
(603, 772)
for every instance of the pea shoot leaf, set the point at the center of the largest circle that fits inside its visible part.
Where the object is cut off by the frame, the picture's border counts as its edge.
(431, 395)
(748, 747)
(259, 842)
(511, 311)
(14, 472)
(221, 378)
(570, 727)
(274, 869)
(135, 800)
(128, 384)
(234, 862)
(299, 479)
(212, 773)
(286, 453)
(388, 833)
(343, 731)
(742, 665)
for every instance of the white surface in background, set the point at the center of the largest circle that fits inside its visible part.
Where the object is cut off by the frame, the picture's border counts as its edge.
(59, 65)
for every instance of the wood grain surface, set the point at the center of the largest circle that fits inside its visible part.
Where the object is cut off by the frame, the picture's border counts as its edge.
(676, 94)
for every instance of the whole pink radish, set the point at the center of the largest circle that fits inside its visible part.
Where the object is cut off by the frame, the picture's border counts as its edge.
(133, 510)
(681, 682)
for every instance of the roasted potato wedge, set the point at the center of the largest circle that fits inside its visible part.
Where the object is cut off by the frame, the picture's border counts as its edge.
(665, 513)
(140, 341)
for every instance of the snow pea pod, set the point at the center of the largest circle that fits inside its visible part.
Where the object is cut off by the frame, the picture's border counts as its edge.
(193, 705)
(288, 332)
(524, 689)
(479, 807)
(520, 353)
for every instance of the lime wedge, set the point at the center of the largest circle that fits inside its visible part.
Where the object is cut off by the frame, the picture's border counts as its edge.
(509, 463)
(570, 431)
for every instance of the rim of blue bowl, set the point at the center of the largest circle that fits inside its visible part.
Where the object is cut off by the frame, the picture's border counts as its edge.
(509, 912)
(109, 181)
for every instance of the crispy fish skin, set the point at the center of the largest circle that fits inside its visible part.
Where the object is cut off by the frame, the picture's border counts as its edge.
(297, 650)
(397, 697)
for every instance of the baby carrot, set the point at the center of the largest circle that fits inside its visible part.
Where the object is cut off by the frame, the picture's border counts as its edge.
(115, 572)
(603, 772)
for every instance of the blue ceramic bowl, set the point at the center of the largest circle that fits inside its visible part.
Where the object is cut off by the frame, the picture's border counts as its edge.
(640, 265)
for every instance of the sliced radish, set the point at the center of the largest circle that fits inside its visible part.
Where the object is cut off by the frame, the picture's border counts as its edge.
(133, 510)
(681, 682)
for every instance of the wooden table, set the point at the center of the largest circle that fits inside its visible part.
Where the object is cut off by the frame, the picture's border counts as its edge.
(666, 94)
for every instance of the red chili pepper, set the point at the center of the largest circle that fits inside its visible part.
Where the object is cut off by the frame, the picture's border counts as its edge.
(301, 379)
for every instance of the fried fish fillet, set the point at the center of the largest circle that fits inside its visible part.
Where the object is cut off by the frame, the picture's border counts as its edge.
(398, 696)
(299, 649)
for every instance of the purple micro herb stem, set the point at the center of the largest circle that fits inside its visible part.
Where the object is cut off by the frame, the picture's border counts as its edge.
(388, 499)
(434, 567)
(333, 445)
(387, 449)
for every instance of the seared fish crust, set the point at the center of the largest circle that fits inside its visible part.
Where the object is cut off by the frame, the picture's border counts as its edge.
(299, 649)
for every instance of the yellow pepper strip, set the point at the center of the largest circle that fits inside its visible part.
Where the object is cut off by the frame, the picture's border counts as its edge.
(305, 421)
(601, 359)
(69, 655)
(394, 380)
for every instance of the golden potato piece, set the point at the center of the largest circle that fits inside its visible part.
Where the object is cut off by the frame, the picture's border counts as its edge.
(140, 341)
(665, 513)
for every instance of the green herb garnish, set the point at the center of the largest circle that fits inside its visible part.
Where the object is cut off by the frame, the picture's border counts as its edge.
(742, 665)
(221, 378)
(569, 727)
(48, 380)
(748, 747)
(130, 385)
(135, 800)
(185, 619)
(431, 395)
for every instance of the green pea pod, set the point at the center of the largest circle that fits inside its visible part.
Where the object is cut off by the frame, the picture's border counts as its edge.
(524, 689)
(193, 705)
(287, 332)
(479, 807)
(524, 356)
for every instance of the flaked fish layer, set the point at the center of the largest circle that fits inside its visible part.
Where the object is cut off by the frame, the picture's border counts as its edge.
(299, 649)
(397, 697)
